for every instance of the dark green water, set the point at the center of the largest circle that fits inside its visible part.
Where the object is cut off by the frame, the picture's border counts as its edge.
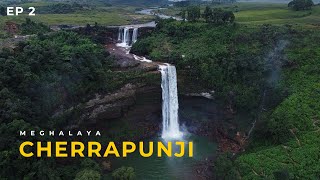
(170, 167)
(193, 111)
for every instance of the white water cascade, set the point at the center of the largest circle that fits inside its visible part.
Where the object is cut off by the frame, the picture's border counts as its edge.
(135, 35)
(170, 105)
(125, 38)
(120, 34)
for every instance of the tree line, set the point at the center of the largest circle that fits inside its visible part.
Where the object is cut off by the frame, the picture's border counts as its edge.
(299, 5)
(190, 2)
(60, 8)
(215, 15)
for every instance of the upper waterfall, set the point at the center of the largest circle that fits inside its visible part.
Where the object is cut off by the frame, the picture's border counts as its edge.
(127, 36)
(170, 104)
(134, 35)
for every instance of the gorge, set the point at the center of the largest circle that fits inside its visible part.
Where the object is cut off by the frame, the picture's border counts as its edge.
(170, 129)
(145, 107)
(170, 105)
(151, 112)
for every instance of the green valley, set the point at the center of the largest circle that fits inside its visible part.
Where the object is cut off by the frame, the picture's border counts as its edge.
(238, 79)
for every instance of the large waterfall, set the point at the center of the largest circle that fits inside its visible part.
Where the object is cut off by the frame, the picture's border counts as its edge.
(170, 105)
(127, 36)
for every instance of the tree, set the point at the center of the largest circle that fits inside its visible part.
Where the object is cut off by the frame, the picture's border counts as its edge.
(193, 13)
(3, 11)
(88, 163)
(88, 29)
(299, 5)
(31, 27)
(183, 15)
(124, 173)
(207, 14)
(182, 3)
(217, 15)
(224, 167)
(228, 16)
(88, 174)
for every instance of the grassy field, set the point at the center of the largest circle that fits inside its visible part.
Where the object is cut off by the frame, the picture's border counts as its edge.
(266, 13)
(277, 14)
(101, 15)
(110, 17)
(246, 13)
(79, 18)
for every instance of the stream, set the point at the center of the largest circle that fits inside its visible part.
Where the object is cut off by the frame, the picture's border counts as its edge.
(152, 11)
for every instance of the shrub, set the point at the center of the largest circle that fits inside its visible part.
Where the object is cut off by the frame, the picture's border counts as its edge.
(124, 173)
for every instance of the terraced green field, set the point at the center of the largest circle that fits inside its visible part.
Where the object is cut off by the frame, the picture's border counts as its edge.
(266, 13)
(101, 15)
(74, 19)
(278, 14)
(246, 13)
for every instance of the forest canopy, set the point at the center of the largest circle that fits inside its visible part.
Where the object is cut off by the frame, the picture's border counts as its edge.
(299, 5)
(240, 63)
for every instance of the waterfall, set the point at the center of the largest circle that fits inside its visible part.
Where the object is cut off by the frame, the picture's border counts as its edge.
(120, 34)
(170, 105)
(125, 38)
(135, 35)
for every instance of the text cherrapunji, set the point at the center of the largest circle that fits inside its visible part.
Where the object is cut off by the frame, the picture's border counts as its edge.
(96, 149)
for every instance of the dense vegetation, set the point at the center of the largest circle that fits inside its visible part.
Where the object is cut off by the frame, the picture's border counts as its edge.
(238, 63)
(36, 79)
(218, 16)
(59, 8)
(53, 72)
(293, 126)
(226, 58)
(31, 27)
(301, 4)
(215, 15)
(42, 78)
(48, 72)
(138, 2)
(123, 173)
(187, 3)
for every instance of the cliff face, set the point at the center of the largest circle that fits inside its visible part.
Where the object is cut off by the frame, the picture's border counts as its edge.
(136, 107)
(112, 33)
(138, 101)
(131, 113)
(110, 106)
(120, 103)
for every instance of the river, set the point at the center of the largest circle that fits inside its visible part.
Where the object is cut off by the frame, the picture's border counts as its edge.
(152, 11)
